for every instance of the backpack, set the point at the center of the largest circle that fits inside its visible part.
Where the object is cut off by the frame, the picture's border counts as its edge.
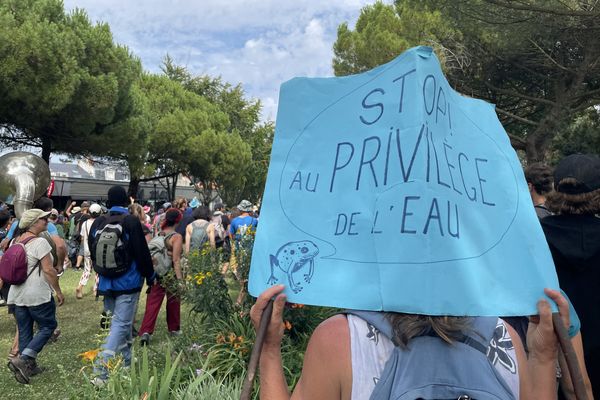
(161, 261)
(199, 234)
(13, 264)
(112, 258)
(432, 369)
(220, 233)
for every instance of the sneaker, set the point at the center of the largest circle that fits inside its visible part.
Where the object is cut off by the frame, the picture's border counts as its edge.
(36, 369)
(2, 302)
(144, 339)
(21, 368)
(54, 336)
(174, 334)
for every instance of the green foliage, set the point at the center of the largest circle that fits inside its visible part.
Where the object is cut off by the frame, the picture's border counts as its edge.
(206, 289)
(580, 136)
(537, 61)
(62, 79)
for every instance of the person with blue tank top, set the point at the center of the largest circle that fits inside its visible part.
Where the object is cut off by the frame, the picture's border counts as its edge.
(347, 354)
(121, 293)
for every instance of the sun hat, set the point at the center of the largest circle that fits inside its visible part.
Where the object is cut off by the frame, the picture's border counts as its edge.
(75, 210)
(584, 171)
(30, 216)
(245, 206)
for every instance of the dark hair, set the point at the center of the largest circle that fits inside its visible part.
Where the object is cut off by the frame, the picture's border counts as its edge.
(408, 326)
(218, 206)
(117, 196)
(4, 218)
(540, 176)
(44, 204)
(578, 204)
(172, 218)
(201, 212)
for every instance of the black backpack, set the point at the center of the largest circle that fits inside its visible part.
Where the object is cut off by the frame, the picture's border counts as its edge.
(109, 246)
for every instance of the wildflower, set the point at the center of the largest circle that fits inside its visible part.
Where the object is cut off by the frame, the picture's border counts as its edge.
(89, 355)
(232, 337)
(288, 325)
(296, 305)
(220, 338)
(199, 371)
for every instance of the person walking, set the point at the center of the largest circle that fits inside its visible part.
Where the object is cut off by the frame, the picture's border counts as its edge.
(33, 300)
(200, 231)
(174, 246)
(94, 211)
(121, 288)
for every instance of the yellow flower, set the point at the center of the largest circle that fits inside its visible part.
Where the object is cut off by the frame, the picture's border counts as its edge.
(90, 355)
(232, 337)
(220, 338)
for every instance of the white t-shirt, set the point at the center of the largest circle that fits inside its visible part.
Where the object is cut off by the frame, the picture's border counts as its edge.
(36, 290)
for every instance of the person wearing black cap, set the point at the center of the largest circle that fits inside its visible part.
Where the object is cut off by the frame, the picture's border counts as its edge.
(121, 293)
(573, 235)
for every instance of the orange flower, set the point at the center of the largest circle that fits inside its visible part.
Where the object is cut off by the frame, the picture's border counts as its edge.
(296, 305)
(288, 325)
(90, 355)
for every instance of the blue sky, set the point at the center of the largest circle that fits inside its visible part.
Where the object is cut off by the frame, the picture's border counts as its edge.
(259, 43)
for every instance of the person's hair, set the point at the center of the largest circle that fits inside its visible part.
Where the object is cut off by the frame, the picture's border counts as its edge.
(540, 176)
(179, 202)
(578, 204)
(218, 206)
(4, 218)
(172, 218)
(408, 326)
(235, 213)
(138, 211)
(44, 204)
(201, 212)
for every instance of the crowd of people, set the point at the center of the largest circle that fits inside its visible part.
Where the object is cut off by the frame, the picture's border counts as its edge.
(125, 244)
(120, 245)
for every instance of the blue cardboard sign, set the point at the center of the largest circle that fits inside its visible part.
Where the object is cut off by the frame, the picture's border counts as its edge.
(390, 191)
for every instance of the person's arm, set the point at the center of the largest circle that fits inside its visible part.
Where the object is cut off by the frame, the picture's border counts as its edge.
(566, 385)
(52, 277)
(177, 246)
(188, 238)
(68, 210)
(210, 231)
(327, 368)
(61, 253)
(543, 348)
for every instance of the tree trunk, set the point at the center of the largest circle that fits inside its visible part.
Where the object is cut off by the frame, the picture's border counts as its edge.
(134, 186)
(174, 186)
(46, 149)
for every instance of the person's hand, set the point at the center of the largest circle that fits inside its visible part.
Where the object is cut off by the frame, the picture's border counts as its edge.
(276, 327)
(60, 298)
(541, 339)
(73, 203)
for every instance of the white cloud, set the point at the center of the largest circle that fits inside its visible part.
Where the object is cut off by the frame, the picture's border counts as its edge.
(259, 43)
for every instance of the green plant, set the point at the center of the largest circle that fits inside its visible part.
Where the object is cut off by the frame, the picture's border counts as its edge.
(205, 286)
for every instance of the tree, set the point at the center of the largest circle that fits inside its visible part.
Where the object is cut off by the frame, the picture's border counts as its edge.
(580, 136)
(62, 79)
(538, 62)
(247, 145)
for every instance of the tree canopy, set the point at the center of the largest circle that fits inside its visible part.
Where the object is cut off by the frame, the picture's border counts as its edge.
(538, 62)
(62, 79)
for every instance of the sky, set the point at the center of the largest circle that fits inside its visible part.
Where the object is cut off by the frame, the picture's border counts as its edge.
(258, 43)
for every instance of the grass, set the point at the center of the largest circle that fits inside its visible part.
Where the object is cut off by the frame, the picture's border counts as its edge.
(79, 321)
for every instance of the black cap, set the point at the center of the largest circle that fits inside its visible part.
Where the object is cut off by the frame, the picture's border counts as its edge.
(117, 196)
(583, 168)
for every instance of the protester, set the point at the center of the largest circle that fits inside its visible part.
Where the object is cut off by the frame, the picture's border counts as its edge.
(200, 231)
(174, 245)
(94, 212)
(181, 204)
(573, 235)
(137, 211)
(344, 357)
(221, 223)
(244, 222)
(121, 291)
(539, 180)
(33, 299)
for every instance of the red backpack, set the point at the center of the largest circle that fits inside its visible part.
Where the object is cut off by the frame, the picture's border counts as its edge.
(13, 264)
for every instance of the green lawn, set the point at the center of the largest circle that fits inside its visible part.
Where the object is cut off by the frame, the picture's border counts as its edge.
(79, 321)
